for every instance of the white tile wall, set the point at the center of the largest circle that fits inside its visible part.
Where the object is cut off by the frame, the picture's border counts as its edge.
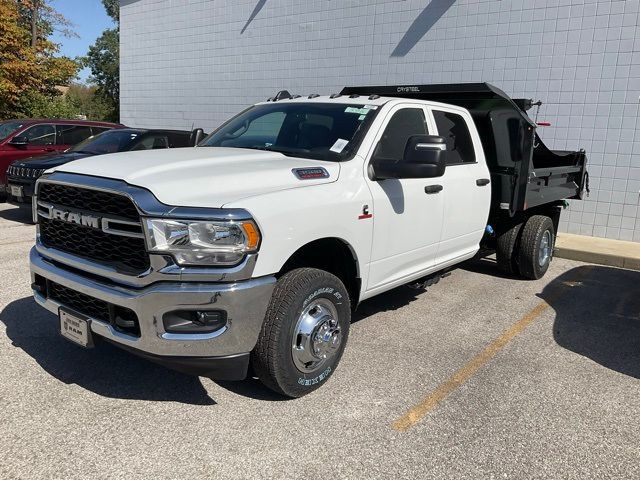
(197, 62)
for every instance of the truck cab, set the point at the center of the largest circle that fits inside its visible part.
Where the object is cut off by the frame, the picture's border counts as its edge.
(254, 248)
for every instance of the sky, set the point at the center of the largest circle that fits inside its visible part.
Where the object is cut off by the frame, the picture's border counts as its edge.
(89, 21)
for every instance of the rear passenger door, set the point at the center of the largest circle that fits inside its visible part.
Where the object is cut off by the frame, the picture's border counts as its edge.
(467, 194)
(70, 135)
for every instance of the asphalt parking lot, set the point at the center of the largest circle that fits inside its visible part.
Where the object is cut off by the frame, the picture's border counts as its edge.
(482, 376)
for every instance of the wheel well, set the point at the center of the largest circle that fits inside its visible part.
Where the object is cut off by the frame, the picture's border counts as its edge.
(331, 255)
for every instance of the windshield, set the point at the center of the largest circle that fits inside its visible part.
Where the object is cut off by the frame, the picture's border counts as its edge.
(322, 131)
(7, 128)
(111, 141)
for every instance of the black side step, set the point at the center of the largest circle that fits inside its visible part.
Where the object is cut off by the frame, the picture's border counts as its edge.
(429, 280)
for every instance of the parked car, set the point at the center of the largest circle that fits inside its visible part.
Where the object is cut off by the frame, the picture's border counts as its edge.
(22, 174)
(25, 138)
(254, 248)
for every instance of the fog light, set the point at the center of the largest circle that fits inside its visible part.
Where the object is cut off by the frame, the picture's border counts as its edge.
(191, 321)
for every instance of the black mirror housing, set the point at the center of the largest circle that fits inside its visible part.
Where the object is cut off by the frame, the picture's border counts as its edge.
(19, 141)
(425, 156)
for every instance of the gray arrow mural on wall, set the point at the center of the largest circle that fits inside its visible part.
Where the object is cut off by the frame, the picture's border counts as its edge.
(421, 25)
(418, 29)
(254, 14)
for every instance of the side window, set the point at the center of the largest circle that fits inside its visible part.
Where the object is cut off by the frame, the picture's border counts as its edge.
(97, 130)
(454, 129)
(72, 134)
(403, 124)
(41, 135)
(152, 142)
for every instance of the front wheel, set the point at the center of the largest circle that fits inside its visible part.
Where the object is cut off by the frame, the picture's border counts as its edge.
(304, 332)
(536, 247)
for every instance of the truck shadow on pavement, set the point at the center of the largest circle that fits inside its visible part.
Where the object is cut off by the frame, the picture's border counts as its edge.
(597, 312)
(104, 370)
(598, 315)
(17, 214)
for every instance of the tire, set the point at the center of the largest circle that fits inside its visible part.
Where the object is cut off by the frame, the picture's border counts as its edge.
(507, 250)
(536, 247)
(305, 300)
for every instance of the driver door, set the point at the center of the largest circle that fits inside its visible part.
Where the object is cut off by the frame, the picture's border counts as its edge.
(407, 220)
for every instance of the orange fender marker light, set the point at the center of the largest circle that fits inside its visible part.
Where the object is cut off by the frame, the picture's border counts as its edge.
(253, 237)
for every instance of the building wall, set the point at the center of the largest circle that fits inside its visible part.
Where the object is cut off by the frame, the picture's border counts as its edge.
(197, 62)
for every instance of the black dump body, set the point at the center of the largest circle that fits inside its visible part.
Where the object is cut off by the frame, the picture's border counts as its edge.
(524, 172)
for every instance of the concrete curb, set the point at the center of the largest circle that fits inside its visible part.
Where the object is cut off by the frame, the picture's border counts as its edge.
(603, 251)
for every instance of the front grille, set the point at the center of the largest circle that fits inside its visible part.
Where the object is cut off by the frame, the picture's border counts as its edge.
(122, 319)
(126, 254)
(24, 172)
(88, 200)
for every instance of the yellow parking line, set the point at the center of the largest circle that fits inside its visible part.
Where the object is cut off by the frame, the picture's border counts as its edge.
(419, 411)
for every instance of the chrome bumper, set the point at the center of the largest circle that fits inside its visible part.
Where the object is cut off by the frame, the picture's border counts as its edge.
(244, 301)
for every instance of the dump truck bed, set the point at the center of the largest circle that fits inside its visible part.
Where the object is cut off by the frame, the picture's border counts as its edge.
(525, 173)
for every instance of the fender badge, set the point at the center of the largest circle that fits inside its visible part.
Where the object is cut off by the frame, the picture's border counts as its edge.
(310, 173)
(365, 213)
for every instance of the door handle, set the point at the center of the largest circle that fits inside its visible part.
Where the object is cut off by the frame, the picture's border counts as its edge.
(481, 182)
(432, 188)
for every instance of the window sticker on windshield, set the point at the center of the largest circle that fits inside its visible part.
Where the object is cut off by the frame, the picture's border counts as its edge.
(362, 117)
(359, 111)
(339, 145)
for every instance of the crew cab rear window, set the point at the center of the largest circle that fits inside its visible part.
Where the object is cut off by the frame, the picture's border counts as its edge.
(454, 129)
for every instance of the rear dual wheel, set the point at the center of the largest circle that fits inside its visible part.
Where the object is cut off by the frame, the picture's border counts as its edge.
(536, 247)
(527, 248)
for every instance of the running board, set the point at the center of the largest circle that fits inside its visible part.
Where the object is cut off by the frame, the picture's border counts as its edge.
(428, 281)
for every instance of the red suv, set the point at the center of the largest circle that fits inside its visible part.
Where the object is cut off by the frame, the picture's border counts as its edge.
(27, 138)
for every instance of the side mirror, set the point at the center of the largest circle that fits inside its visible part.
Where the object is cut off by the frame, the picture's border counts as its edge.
(425, 156)
(197, 134)
(19, 141)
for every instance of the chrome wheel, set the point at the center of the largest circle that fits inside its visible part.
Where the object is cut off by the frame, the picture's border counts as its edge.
(544, 251)
(317, 335)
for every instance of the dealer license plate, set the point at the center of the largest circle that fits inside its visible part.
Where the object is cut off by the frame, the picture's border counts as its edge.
(75, 328)
(16, 191)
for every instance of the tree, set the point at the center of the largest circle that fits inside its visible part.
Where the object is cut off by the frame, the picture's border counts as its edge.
(42, 20)
(103, 59)
(113, 9)
(27, 71)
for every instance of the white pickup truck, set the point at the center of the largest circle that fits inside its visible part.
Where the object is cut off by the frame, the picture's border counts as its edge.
(250, 252)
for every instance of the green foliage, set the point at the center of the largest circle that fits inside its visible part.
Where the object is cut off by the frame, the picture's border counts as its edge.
(104, 61)
(86, 102)
(113, 9)
(38, 105)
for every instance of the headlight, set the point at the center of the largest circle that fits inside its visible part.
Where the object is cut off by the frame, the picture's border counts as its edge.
(203, 242)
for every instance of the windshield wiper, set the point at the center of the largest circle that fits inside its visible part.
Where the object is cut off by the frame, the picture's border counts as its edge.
(290, 152)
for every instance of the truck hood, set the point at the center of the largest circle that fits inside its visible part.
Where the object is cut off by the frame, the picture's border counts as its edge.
(203, 176)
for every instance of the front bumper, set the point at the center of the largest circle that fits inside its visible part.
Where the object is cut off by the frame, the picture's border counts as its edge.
(28, 187)
(244, 301)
